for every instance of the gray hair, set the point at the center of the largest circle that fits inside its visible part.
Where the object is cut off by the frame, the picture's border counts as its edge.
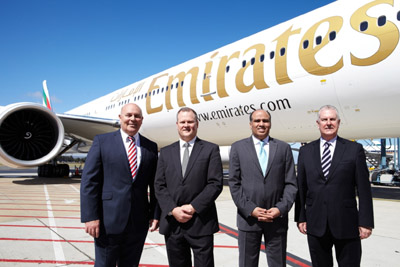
(328, 107)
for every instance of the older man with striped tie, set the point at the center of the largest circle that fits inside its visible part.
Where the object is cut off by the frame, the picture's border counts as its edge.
(331, 171)
(115, 207)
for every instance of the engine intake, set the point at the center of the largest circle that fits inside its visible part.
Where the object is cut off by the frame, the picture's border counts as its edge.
(30, 135)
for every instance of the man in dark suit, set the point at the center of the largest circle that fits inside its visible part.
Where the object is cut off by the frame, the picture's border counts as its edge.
(263, 185)
(114, 191)
(187, 183)
(330, 172)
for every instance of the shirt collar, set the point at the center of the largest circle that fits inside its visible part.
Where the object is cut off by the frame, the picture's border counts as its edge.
(125, 137)
(332, 141)
(191, 142)
(257, 141)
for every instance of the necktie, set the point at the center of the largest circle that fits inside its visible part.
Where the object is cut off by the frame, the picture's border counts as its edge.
(132, 156)
(326, 159)
(185, 159)
(262, 158)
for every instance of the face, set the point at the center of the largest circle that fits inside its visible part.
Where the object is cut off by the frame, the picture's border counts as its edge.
(260, 124)
(328, 124)
(187, 125)
(131, 119)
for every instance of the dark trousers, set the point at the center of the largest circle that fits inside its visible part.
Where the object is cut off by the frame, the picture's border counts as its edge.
(124, 249)
(179, 245)
(249, 248)
(348, 251)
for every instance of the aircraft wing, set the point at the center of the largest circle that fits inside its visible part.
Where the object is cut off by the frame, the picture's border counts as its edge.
(85, 128)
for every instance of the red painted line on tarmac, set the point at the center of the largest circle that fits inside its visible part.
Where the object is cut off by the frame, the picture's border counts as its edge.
(236, 234)
(69, 262)
(42, 217)
(30, 204)
(18, 199)
(40, 226)
(40, 210)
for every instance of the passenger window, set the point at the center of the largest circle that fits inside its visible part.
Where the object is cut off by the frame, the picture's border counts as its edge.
(381, 21)
(363, 26)
(305, 44)
(272, 55)
(282, 51)
(318, 40)
(244, 63)
(262, 58)
(332, 35)
(227, 69)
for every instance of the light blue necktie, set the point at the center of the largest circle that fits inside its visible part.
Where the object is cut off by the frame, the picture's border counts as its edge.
(263, 158)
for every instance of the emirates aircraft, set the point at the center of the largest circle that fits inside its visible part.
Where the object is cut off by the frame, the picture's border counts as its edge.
(345, 54)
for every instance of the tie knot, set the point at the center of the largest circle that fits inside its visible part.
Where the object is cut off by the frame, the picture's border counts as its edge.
(186, 145)
(262, 143)
(327, 144)
(131, 138)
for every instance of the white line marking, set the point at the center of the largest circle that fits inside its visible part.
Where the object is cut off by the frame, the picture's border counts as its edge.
(73, 187)
(161, 249)
(58, 251)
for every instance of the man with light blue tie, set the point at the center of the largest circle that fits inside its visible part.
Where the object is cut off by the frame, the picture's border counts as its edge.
(263, 185)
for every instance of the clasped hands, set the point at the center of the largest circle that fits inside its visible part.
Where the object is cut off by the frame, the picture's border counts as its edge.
(264, 215)
(183, 213)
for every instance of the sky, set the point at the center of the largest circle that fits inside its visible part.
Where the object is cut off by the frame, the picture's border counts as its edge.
(88, 48)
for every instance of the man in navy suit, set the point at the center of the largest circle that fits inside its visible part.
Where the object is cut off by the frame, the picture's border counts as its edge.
(330, 171)
(187, 183)
(263, 185)
(115, 205)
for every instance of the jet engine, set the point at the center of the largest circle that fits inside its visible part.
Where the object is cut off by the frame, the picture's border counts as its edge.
(30, 135)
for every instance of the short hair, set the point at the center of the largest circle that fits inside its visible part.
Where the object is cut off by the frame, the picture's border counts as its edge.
(328, 107)
(251, 114)
(187, 109)
(122, 108)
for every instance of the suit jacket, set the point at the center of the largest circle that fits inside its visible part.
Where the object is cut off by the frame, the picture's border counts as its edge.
(333, 200)
(200, 187)
(107, 191)
(251, 189)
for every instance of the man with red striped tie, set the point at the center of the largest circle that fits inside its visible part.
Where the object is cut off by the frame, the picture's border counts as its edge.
(119, 170)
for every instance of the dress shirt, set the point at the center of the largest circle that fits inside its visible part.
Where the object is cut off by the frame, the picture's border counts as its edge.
(257, 145)
(126, 142)
(331, 147)
(182, 148)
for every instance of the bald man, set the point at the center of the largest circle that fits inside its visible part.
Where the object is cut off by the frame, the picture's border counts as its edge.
(115, 206)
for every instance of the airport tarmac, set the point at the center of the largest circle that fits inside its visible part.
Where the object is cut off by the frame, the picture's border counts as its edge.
(40, 226)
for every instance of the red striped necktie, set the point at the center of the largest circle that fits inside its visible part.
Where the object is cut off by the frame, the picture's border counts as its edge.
(132, 156)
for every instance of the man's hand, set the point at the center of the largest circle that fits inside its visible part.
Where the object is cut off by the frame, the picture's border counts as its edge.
(153, 225)
(364, 232)
(273, 213)
(181, 214)
(188, 208)
(261, 214)
(93, 228)
(302, 227)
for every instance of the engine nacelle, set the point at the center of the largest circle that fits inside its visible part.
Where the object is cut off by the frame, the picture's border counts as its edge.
(30, 135)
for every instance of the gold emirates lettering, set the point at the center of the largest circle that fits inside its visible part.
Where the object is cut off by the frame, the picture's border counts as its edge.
(388, 36)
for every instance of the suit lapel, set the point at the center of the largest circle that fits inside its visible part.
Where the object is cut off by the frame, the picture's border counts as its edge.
(120, 147)
(198, 146)
(176, 157)
(273, 146)
(143, 152)
(317, 157)
(251, 151)
(337, 155)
